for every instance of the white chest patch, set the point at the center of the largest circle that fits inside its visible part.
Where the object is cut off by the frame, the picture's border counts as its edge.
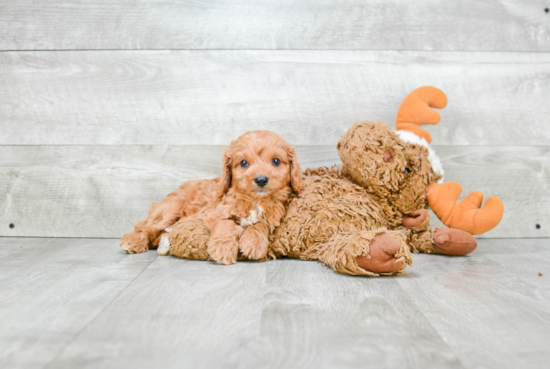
(254, 217)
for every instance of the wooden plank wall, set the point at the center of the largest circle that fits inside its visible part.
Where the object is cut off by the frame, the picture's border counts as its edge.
(490, 25)
(106, 106)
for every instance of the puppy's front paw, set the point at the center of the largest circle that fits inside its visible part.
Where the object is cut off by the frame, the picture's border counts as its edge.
(134, 243)
(223, 251)
(253, 245)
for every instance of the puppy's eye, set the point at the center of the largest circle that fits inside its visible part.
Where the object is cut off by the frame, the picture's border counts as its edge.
(276, 162)
(407, 170)
(244, 163)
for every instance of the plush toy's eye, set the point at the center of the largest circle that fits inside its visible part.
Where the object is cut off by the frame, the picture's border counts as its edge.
(244, 163)
(407, 170)
(276, 162)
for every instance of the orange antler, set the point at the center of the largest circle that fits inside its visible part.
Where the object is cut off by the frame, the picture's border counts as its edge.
(415, 110)
(466, 214)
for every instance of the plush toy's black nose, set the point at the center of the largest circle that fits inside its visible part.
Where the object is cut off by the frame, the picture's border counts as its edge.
(260, 181)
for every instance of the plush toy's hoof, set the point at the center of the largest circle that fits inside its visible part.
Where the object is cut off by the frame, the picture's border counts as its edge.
(449, 241)
(382, 252)
(133, 243)
(415, 218)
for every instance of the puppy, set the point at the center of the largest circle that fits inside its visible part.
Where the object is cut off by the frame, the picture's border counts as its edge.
(241, 208)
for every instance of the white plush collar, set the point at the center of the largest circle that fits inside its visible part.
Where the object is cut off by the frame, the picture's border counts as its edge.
(432, 156)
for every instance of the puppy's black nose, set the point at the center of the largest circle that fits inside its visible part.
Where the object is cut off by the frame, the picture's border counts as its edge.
(261, 181)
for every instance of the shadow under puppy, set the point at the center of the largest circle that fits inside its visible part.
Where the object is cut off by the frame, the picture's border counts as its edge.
(233, 213)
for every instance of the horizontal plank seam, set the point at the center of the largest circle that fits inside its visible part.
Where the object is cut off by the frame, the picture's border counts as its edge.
(381, 50)
(97, 315)
(76, 238)
(208, 145)
(117, 238)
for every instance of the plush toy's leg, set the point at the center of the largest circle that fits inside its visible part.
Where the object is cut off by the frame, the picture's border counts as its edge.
(450, 241)
(422, 241)
(188, 239)
(428, 240)
(364, 253)
(446, 241)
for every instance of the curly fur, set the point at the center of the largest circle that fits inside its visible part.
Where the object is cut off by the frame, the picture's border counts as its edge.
(228, 204)
(329, 204)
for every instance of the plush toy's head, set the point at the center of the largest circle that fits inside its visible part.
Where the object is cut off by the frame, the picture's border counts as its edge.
(373, 156)
(380, 160)
(403, 168)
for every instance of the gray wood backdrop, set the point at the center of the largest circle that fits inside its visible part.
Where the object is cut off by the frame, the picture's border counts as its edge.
(106, 106)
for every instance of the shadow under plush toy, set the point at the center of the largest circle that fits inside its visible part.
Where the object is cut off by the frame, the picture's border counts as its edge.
(365, 217)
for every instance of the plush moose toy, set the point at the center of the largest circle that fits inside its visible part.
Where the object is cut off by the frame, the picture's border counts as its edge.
(366, 216)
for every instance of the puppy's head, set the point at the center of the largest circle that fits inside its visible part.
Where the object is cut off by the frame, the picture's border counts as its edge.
(260, 164)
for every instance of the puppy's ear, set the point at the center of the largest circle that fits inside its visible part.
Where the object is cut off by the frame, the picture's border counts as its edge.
(295, 171)
(225, 180)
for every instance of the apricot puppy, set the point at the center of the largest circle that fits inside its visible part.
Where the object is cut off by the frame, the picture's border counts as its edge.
(240, 208)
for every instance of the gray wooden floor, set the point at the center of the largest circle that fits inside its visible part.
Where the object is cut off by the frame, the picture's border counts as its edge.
(83, 303)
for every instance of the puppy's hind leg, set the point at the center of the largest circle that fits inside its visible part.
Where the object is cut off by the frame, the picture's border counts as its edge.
(147, 232)
(134, 242)
(138, 240)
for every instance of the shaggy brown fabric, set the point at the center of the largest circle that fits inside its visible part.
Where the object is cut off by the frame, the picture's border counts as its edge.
(362, 149)
(189, 238)
(422, 241)
(329, 204)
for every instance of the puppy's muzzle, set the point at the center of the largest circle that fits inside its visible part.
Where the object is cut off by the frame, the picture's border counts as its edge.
(261, 181)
